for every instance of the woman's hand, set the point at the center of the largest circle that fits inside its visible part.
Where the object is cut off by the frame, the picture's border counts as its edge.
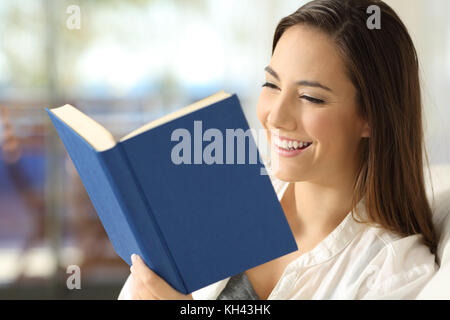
(147, 285)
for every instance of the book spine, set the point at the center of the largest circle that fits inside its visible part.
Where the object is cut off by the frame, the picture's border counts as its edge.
(138, 195)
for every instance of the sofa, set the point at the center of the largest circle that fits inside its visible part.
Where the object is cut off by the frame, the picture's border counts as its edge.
(439, 286)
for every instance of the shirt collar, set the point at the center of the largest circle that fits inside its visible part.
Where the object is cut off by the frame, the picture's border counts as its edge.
(328, 248)
(336, 241)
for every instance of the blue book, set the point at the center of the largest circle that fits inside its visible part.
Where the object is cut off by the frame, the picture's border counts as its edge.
(179, 192)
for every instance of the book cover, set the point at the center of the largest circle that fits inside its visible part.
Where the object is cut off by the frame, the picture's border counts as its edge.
(181, 194)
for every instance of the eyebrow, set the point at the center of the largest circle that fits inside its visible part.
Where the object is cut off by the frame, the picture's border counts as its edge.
(307, 83)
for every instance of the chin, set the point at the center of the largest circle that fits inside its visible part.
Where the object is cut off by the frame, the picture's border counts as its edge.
(288, 174)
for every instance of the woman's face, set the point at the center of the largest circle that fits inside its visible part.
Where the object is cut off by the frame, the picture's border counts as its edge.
(307, 97)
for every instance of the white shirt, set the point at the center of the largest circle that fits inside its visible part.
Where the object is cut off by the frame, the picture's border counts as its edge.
(355, 261)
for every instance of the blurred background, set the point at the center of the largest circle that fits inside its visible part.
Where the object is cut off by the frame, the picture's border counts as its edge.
(126, 63)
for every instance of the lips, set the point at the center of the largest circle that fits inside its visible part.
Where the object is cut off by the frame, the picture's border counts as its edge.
(288, 147)
(290, 144)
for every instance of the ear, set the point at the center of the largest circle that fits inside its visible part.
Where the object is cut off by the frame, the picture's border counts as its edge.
(365, 133)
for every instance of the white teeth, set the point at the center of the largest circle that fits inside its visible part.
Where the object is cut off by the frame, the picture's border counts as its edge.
(290, 145)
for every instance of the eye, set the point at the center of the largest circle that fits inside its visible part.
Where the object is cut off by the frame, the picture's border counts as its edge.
(313, 100)
(270, 85)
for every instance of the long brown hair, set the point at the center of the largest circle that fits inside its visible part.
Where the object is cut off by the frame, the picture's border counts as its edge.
(383, 67)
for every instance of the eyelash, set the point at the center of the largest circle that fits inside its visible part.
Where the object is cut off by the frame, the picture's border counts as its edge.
(310, 99)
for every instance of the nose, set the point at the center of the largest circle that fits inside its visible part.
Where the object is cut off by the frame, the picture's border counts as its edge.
(281, 115)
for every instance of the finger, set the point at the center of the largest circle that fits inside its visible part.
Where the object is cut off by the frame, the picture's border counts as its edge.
(160, 288)
(139, 289)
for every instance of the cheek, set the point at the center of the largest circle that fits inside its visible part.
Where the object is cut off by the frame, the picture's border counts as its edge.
(333, 131)
(321, 126)
(328, 129)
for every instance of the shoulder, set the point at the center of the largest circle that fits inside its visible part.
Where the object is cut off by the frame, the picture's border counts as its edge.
(398, 267)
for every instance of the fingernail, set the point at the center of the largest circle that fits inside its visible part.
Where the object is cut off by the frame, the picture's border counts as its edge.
(133, 258)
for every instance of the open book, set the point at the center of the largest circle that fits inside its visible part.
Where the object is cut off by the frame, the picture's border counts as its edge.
(192, 217)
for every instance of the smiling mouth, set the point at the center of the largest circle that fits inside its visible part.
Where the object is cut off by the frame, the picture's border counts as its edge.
(289, 144)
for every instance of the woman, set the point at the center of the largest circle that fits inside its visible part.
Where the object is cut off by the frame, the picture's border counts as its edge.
(349, 98)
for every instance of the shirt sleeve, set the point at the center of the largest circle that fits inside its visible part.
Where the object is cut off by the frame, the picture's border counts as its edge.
(400, 271)
(127, 289)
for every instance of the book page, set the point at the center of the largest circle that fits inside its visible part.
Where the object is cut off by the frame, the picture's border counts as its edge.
(90, 130)
(177, 114)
